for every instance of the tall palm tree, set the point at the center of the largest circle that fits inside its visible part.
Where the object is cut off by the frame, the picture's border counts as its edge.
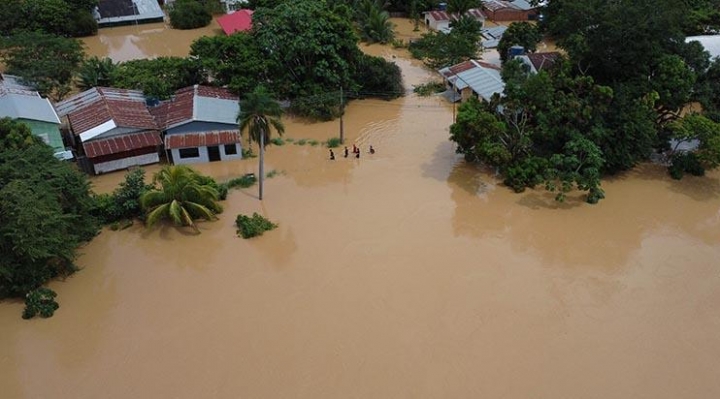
(182, 198)
(258, 114)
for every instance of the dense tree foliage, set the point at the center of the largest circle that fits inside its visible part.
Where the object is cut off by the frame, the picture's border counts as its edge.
(180, 195)
(702, 131)
(519, 34)
(159, 77)
(57, 17)
(45, 213)
(439, 49)
(189, 14)
(234, 61)
(124, 202)
(47, 62)
(96, 72)
(374, 22)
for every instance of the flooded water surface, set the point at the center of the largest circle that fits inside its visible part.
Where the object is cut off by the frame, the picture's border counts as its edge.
(402, 274)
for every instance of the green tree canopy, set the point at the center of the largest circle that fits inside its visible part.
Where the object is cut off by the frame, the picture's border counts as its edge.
(45, 214)
(159, 77)
(189, 14)
(519, 34)
(182, 197)
(47, 62)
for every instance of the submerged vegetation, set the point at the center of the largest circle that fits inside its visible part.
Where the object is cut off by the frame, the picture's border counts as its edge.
(603, 109)
(253, 226)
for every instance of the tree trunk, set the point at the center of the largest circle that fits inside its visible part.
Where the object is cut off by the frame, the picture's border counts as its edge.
(262, 165)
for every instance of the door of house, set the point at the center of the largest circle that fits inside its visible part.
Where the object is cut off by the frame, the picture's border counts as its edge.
(214, 153)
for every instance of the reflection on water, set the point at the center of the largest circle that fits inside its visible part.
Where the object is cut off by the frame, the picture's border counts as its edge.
(405, 274)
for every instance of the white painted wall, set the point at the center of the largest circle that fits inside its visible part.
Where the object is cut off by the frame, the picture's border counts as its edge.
(204, 156)
(126, 163)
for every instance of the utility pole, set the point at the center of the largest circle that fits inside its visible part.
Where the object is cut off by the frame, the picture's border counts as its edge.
(342, 111)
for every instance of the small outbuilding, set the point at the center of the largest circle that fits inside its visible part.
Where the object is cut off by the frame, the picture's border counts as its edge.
(440, 20)
(473, 78)
(509, 10)
(200, 125)
(112, 129)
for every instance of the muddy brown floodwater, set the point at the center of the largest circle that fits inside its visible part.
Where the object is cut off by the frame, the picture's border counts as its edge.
(404, 274)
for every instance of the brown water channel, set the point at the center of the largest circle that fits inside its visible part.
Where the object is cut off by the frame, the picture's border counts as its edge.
(405, 274)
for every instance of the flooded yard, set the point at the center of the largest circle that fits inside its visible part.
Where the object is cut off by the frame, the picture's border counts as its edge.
(402, 274)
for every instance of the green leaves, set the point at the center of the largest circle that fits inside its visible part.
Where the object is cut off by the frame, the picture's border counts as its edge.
(183, 197)
(519, 34)
(254, 226)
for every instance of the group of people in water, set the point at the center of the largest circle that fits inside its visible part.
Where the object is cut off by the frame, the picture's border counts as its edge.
(346, 152)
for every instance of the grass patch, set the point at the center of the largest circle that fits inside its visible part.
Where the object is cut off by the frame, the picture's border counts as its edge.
(430, 88)
(314, 143)
(277, 141)
(242, 182)
(289, 139)
(253, 226)
(248, 153)
(301, 142)
(333, 142)
(272, 174)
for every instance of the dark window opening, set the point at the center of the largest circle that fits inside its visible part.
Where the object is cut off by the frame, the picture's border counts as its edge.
(231, 149)
(189, 153)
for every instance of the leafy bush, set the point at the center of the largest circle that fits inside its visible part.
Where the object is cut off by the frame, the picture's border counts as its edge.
(685, 162)
(242, 182)
(254, 226)
(189, 14)
(124, 202)
(277, 141)
(430, 88)
(222, 189)
(40, 301)
(333, 142)
(526, 173)
(314, 143)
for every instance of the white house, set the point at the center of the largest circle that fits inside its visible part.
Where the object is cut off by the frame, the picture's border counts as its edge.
(440, 20)
(473, 78)
(200, 125)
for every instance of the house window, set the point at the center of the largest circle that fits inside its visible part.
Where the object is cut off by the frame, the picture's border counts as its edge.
(230, 149)
(189, 153)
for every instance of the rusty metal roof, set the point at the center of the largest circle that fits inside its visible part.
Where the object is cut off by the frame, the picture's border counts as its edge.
(445, 16)
(238, 21)
(198, 103)
(193, 140)
(128, 142)
(91, 108)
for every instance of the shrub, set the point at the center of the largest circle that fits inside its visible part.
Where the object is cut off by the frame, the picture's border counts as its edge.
(685, 162)
(277, 141)
(189, 14)
(301, 142)
(430, 88)
(254, 226)
(314, 143)
(222, 189)
(40, 301)
(124, 202)
(242, 182)
(333, 142)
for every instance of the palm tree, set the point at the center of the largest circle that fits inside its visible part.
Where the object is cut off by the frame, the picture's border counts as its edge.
(258, 114)
(96, 72)
(182, 198)
(377, 27)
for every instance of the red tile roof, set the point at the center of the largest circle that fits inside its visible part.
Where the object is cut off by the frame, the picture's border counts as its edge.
(180, 109)
(123, 143)
(192, 140)
(239, 21)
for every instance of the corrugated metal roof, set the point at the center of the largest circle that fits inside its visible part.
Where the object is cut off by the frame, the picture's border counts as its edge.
(495, 32)
(99, 105)
(193, 140)
(25, 104)
(482, 78)
(115, 11)
(444, 16)
(239, 21)
(710, 42)
(123, 143)
(198, 103)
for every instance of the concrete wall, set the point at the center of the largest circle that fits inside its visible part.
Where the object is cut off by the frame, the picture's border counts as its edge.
(126, 163)
(204, 156)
